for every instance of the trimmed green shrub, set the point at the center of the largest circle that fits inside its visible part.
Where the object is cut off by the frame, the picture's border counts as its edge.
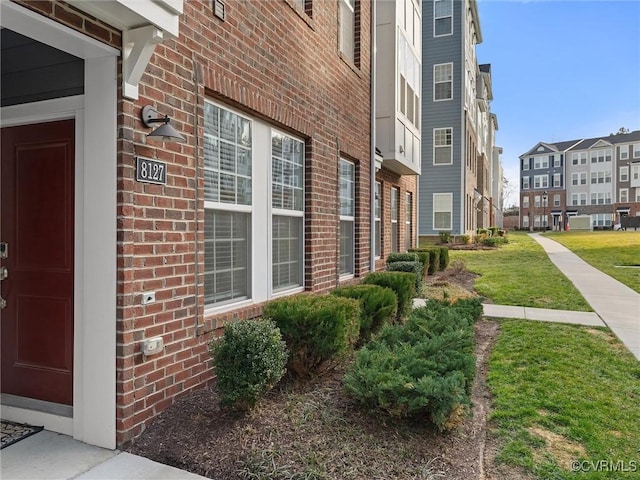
(422, 368)
(378, 307)
(403, 284)
(414, 267)
(434, 258)
(494, 241)
(401, 257)
(316, 328)
(444, 258)
(248, 360)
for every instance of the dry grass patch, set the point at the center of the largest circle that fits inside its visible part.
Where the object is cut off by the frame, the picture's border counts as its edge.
(561, 449)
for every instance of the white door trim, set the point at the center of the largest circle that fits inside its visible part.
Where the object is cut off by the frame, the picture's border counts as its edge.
(94, 396)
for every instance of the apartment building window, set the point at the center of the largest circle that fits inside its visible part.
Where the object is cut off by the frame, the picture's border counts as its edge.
(575, 178)
(574, 159)
(525, 221)
(601, 219)
(624, 195)
(635, 173)
(536, 220)
(583, 178)
(607, 155)
(287, 202)
(541, 181)
(348, 28)
(395, 214)
(525, 201)
(378, 219)
(228, 205)
(557, 179)
(347, 216)
(574, 199)
(408, 210)
(525, 164)
(583, 199)
(442, 82)
(624, 152)
(624, 174)
(607, 177)
(583, 158)
(536, 201)
(636, 150)
(556, 200)
(525, 183)
(557, 161)
(442, 17)
(442, 146)
(541, 162)
(637, 197)
(409, 72)
(594, 157)
(442, 211)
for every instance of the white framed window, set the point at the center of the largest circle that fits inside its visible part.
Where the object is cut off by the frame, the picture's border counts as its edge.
(442, 82)
(395, 214)
(525, 164)
(636, 150)
(536, 201)
(594, 199)
(575, 178)
(525, 183)
(536, 220)
(624, 152)
(607, 154)
(378, 219)
(583, 158)
(525, 201)
(347, 28)
(408, 210)
(635, 173)
(557, 179)
(442, 17)
(624, 195)
(637, 196)
(442, 146)
(541, 181)
(228, 148)
(347, 216)
(624, 174)
(574, 158)
(287, 220)
(557, 161)
(583, 199)
(442, 211)
(556, 200)
(607, 177)
(409, 71)
(594, 156)
(541, 162)
(574, 199)
(525, 221)
(583, 178)
(601, 219)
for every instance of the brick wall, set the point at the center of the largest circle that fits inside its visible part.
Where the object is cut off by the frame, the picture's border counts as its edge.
(279, 64)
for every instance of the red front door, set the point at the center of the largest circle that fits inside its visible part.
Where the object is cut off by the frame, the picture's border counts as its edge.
(37, 225)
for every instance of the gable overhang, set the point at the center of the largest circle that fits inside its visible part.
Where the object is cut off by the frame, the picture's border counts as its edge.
(144, 24)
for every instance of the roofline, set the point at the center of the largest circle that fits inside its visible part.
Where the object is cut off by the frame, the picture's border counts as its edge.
(476, 19)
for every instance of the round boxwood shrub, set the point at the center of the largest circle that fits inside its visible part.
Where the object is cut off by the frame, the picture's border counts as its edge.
(249, 359)
(403, 284)
(410, 267)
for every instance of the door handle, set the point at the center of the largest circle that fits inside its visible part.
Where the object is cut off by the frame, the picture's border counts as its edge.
(4, 273)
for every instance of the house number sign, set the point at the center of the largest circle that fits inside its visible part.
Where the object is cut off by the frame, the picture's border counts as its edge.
(151, 171)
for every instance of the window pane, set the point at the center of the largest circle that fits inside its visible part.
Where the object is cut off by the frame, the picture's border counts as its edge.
(226, 259)
(287, 252)
(287, 176)
(346, 247)
(347, 190)
(443, 26)
(347, 28)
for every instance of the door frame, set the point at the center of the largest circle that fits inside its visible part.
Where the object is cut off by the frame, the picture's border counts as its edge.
(94, 371)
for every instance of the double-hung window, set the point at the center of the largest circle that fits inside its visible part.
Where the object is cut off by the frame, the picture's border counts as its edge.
(395, 214)
(347, 28)
(287, 219)
(408, 209)
(557, 179)
(228, 148)
(442, 17)
(442, 146)
(624, 195)
(636, 150)
(525, 201)
(624, 152)
(624, 174)
(347, 216)
(442, 211)
(442, 82)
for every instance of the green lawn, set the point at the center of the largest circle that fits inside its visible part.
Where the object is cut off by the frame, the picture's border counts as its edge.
(520, 273)
(564, 394)
(607, 251)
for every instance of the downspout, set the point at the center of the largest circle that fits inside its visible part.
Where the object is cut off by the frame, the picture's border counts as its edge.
(372, 239)
(196, 156)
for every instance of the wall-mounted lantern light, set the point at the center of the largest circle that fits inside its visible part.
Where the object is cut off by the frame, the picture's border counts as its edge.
(165, 131)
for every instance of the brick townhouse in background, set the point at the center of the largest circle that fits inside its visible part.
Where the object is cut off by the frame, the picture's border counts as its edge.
(116, 238)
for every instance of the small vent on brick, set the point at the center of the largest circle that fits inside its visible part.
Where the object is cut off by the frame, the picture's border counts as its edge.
(219, 9)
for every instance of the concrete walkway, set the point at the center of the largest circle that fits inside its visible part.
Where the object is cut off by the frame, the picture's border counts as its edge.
(615, 303)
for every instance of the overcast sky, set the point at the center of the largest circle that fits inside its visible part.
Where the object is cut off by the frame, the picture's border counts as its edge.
(561, 70)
